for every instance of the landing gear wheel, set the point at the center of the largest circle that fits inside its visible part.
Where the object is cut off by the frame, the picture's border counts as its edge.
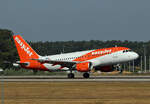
(86, 75)
(121, 71)
(70, 75)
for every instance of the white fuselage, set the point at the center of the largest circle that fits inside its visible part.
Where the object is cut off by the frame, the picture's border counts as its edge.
(107, 59)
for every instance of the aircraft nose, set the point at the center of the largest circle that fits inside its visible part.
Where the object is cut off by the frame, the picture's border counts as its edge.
(135, 55)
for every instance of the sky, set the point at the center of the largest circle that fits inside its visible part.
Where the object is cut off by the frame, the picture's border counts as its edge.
(65, 20)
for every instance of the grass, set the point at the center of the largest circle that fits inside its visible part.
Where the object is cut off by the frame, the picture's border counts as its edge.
(77, 92)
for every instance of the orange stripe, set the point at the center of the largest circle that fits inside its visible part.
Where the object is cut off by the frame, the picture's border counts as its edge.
(99, 53)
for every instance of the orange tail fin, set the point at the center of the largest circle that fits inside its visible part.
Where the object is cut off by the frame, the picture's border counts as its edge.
(24, 50)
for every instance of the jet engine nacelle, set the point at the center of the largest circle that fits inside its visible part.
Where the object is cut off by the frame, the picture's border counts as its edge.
(84, 67)
(105, 68)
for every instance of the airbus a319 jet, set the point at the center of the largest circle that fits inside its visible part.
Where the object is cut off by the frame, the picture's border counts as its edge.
(82, 61)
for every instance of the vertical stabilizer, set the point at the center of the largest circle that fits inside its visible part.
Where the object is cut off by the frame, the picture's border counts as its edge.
(24, 50)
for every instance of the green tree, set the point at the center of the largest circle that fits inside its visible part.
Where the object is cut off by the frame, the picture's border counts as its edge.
(7, 47)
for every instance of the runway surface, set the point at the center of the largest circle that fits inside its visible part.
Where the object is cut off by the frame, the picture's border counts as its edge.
(77, 79)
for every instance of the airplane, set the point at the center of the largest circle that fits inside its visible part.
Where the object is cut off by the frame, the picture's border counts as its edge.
(81, 61)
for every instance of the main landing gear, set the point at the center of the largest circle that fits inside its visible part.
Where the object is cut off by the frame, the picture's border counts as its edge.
(85, 75)
(70, 75)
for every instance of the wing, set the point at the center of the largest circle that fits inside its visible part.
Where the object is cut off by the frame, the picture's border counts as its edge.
(68, 64)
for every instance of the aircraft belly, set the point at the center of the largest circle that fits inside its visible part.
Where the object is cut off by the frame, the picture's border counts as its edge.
(52, 67)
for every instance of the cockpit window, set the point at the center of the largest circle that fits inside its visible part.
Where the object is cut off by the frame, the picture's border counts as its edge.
(127, 51)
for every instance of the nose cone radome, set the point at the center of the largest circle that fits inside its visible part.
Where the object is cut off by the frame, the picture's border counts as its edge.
(135, 55)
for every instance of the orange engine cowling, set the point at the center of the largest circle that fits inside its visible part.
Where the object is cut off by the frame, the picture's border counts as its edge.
(83, 67)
